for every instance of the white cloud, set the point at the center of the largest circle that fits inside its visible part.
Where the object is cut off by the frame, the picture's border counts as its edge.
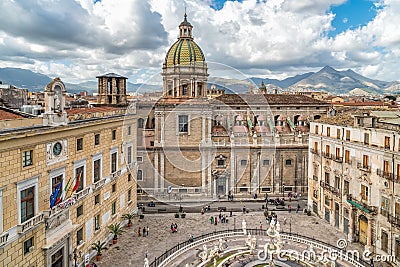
(78, 40)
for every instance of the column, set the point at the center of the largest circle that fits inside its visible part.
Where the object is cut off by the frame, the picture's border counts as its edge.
(209, 127)
(203, 171)
(203, 127)
(162, 127)
(156, 116)
(209, 173)
(162, 172)
(369, 233)
(155, 171)
(233, 171)
(351, 224)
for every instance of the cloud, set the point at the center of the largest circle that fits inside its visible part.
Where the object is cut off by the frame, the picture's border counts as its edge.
(80, 39)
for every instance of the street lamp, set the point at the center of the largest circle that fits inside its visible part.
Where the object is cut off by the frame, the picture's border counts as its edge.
(283, 190)
(75, 253)
(180, 199)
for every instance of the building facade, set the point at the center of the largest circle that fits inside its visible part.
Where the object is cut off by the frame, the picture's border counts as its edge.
(354, 177)
(86, 159)
(225, 144)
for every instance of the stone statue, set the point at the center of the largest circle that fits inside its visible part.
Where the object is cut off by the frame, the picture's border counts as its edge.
(220, 245)
(57, 103)
(244, 227)
(146, 262)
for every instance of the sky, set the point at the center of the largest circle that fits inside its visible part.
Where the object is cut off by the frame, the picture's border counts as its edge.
(78, 40)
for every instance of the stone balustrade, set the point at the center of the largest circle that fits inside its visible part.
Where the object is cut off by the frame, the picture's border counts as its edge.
(32, 222)
(3, 239)
(81, 194)
(99, 184)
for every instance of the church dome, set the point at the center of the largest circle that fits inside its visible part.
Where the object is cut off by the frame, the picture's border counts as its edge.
(184, 52)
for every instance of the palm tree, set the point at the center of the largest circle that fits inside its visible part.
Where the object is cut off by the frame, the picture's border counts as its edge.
(129, 217)
(99, 246)
(116, 230)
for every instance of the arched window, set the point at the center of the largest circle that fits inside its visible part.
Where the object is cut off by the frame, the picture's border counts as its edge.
(140, 123)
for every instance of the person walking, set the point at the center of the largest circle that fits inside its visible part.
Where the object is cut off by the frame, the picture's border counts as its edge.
(138, 232)
(298, 207)
(260, 225)
(144, 231)
(284, 220)
(289, 208)
(147, 231)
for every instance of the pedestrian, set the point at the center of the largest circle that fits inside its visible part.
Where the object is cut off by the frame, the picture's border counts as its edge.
(202, 211)
(215, 220)
(260, 225)
(284, 220)
(144, 231)
(298, 207)
(176, 226)
(289, 208)
(212, 219)
(147, 231)
(244, 209)
(138, 232)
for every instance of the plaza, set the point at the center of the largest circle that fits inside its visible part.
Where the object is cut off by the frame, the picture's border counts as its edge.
(131, 248)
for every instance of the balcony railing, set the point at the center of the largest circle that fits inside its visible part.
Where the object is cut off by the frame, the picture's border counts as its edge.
(57, 219)
(384, 174)
(314, 151)
(81, 194)
(334, 190)
(394, 220)
(365, 168)
(327, 155)
(32, 222)
(338, 159)
(115, 175)
(99, 184)
(349, 161)
(3, 238)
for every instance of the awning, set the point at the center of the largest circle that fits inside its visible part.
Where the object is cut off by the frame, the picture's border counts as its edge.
(359, 206)
(249, 123)
(291, 123)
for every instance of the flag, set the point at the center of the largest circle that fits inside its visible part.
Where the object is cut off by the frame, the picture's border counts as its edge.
(78, 179)
(54, 197)
(64, 192)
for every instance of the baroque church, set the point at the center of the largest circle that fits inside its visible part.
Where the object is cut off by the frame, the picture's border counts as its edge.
(192, 144)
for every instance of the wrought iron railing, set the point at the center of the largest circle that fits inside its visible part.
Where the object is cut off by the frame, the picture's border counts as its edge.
(327, 155)
(394, 220)
(363, 167)
(334, 190)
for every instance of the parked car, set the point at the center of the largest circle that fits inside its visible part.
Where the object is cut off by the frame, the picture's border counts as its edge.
(151, 204)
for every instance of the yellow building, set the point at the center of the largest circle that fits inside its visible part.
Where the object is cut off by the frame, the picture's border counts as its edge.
(91, 150)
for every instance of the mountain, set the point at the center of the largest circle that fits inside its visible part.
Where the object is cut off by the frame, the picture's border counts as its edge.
(282, 83)
(339, 82)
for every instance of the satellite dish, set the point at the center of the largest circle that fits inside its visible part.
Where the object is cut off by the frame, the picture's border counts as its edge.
(169, 189)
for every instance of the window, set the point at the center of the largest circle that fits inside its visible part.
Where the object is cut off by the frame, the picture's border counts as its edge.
(384, 241)
(114, 187)
(397, 209)
(113, 210)
(96, 139)
(139, 159)
(366, 138)
(385, 206)
(129, 177)
(347, 135)
(346, 186)
(315, 193)
(140, 123)
(327, 150)
(337, 182)
(387, 142)
(27, 203)
(243, 162)
(398, 171)
(151, 143)
(55, 181)
(113, 162)
(338, 133)
(386, 167)
(184, 89)
(97, 199)
(28, 245)
(347, 156)
(129, 194)
(129, 156)
(316, 146)
(140, 175)
(97, 222)
(397, 248)
(96, 170)
(365, 161)
(337, 152)
(220, 162)
(79, 237)
(288, 162)
(328, 131)
(364, 192)
(183, 123)
(79, 211)
(327, 178)
(327, 201)
(79, 177)
(316, 129)
(79, 144)
(266, 162)
(129, 130)
(114, 134)
(27, 158)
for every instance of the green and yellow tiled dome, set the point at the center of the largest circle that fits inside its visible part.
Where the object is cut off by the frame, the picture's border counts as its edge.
(184, 52)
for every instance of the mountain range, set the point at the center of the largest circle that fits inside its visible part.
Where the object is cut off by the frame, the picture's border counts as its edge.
(327, 79)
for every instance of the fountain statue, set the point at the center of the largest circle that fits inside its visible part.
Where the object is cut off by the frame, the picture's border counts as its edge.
(244, 227)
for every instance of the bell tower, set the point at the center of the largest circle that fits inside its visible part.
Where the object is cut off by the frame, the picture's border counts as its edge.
(111, 89)
(54, 96)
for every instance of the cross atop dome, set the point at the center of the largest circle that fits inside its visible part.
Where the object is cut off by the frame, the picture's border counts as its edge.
(185, 28)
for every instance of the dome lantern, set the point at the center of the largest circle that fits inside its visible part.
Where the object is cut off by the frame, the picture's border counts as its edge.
(185, 28)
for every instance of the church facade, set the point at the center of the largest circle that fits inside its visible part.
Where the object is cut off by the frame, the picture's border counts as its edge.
(229, 144)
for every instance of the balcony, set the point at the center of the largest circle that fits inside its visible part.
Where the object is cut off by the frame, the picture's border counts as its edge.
(384, 174)
(99, 184)
(29, 224)
(394, 220)
(365, 168)
(327, 155)
(57, 219)
(361, 205)
(338, 159)
(115, 175)
(334, 190)
(3, 239)
(81, 194)
(314, 151)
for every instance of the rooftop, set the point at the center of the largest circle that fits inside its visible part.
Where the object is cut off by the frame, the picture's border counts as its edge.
(111, 75)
